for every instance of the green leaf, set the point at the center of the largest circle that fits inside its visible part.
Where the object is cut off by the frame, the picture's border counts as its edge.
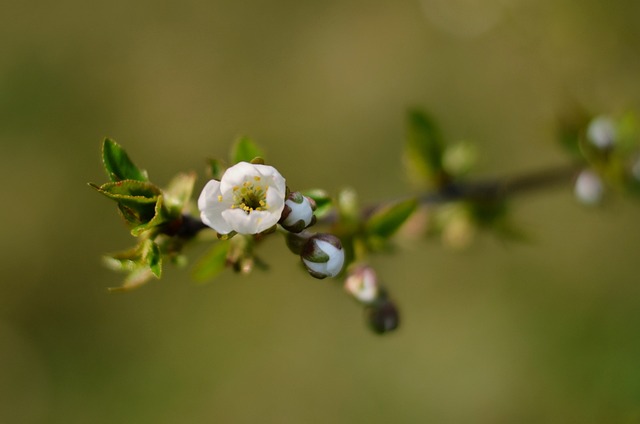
(425, 148)
(349, 207)
(134, 280)
(128, 189)
(387, 220)
(628, 136)
(141, 263)
(136, 199)
(152, 257)
(161, 216)
(118, 165)
(216, 169)
(245, 150)
(323, 201)
(212, 263)
(180, 189)
(126, 261)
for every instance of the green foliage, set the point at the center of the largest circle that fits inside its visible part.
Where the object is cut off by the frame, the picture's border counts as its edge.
(136, 199)
(571, 131)
(179, 190)
(162, 215)
(150, 212)
(387, 220)
(212, 263)
(118, 165)
(215, 169)
(141, 263)
(628, 134)
(424, 149)
(245, 150)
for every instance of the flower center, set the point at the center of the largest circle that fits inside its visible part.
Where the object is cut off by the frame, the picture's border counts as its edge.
(251, 196)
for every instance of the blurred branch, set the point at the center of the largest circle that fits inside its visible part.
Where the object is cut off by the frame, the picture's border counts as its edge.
(503, 187)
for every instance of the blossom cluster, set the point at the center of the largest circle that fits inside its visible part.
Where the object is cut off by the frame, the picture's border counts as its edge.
(252, 199)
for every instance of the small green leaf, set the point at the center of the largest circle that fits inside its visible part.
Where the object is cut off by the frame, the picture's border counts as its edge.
(161, 216)
(118, 165)
(349, 207)
(212, 263)
(386, 221)
(180, 189)
(459, 158)
(125, 261)
(323, 201)
(425, 148)
(136, 199)
(141, 263)
(628, 136)
(134, 280)
(129, 188)
(152, 257)
(216, 169)
(245, 150)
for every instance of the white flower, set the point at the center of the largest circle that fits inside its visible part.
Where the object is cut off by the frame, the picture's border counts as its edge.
(323, 256)
(248, 199)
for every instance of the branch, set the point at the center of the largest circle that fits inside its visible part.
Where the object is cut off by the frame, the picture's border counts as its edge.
(499, 188)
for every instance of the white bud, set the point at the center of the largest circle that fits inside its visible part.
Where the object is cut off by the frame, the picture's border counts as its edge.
(602, 132)
(323, 256)
(589, 188)
(362, 283)
(298, 213)
(635, 169)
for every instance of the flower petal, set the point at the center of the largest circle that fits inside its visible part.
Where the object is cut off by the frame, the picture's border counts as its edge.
(210, 191)
(275, 179)
(275, 201)
(211, 208)
(336, 258)
(248, 223)
(238, 174)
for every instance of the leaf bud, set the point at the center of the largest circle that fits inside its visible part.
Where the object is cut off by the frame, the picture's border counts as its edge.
(323, 256)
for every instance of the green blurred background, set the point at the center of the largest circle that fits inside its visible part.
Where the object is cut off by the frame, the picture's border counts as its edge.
(502, 333)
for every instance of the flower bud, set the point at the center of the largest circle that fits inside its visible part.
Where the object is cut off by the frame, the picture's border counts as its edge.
(323, 256)
(297, 213)
(362, 284)
(383, 317)
(635, 169)
(459, 158)
(601, 132)
(589, 188)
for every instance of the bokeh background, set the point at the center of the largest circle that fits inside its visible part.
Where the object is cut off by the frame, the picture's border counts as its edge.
(545, 331)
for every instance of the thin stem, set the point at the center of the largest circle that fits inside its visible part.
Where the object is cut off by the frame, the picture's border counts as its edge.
(501, 187)
(490, 189)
